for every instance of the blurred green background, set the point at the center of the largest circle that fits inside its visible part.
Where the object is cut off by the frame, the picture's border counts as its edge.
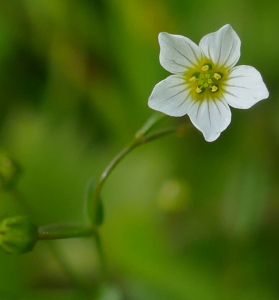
(185, 219)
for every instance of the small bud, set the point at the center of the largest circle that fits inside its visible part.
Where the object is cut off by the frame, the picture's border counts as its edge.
(17, 235)
(9, 171)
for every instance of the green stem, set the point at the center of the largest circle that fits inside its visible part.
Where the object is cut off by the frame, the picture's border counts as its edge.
(102, 260)
(68, 269)
(139, 139)
(64, 231)
(154, 119)
(115, 161)
(158, 134)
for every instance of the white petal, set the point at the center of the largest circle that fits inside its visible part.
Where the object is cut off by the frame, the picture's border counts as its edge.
(244, 87)
(178, 53)
(211, 117)
(171, 96)
(222, 46)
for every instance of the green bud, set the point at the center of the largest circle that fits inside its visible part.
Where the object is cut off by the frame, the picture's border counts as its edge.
(18, 235)
(9, 171)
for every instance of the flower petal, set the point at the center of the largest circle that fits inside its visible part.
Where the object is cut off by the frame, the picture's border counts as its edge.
(244, 87)
(171, 96)
(211, 117)
(222, 46)
(178, 53)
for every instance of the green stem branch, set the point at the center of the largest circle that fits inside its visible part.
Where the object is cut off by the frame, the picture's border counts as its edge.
(64, 231)
(139, 139)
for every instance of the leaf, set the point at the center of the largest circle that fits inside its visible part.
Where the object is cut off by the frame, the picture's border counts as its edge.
(97, 219)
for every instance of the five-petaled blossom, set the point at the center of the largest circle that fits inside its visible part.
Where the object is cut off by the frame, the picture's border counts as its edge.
(205, 80)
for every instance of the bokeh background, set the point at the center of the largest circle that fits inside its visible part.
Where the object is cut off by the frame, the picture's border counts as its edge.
(184, 219)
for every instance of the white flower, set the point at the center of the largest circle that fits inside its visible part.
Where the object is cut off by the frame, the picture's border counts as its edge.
(205, 80)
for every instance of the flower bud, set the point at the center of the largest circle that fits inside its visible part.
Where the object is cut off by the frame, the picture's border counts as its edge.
(9, 171)
(18, 235)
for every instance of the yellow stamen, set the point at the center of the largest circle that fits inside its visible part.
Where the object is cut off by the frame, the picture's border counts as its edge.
(193, 79)
(217, 76)
(214, 89)
(205, 68)
(198, 90)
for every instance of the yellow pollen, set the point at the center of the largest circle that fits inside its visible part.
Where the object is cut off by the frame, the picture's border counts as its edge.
(217, 76)
(214, 88)
(205, 68)
(193, 79)
(198, 90)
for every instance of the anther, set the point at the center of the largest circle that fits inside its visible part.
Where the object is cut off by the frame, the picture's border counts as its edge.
(193, 79)
(198, 90)
(217, 76)
(205, 68)
(214, 88)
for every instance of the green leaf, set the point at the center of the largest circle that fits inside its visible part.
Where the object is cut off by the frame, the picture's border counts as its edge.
(97, 219)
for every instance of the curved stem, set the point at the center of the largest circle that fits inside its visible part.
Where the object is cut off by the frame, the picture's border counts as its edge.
(139, 139)
(115, 161)
(154, 119)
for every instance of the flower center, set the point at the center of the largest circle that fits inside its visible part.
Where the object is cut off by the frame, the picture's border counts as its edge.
(206, 79)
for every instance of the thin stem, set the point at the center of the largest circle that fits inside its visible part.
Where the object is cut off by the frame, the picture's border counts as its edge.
(158, 134)
(68, 269)
(138, 140)
(154, 119)
(62, 231)
(115, 161)
(102, 260)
